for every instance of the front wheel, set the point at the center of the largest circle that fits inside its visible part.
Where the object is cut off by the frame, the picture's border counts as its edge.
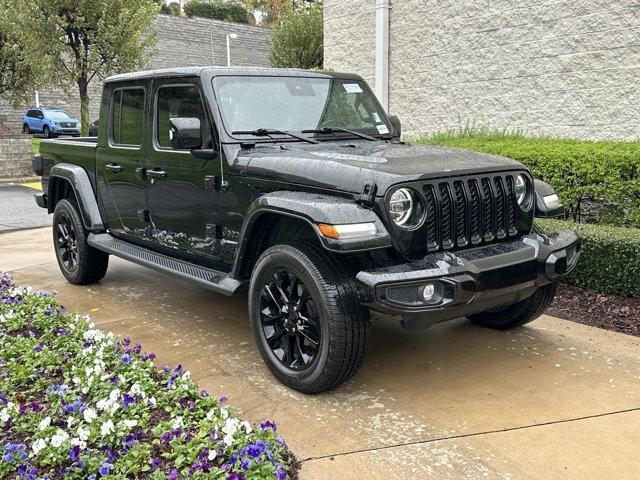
(46, 132)
(79, 262)
(309, 325)
(519, 313)
(25, 129)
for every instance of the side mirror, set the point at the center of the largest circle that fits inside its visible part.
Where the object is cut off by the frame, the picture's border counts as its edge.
(548, 204)
(184, 133)
(395, 121)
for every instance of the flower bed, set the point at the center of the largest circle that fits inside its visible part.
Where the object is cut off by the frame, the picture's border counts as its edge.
(79, 403)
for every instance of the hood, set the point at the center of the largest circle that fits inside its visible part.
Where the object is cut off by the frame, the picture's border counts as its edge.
(348, 165)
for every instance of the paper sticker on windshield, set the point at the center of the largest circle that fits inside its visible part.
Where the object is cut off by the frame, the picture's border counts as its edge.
(376, 117)
(352, 88)
(382, 129)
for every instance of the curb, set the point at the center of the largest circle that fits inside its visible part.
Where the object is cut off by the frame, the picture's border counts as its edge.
(18, 180)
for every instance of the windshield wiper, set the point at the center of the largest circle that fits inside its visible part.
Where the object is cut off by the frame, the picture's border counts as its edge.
(265, 132)
(334, 130)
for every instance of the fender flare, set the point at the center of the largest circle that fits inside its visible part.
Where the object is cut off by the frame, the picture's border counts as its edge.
(83, 190)
(546, 206)
(313, 209)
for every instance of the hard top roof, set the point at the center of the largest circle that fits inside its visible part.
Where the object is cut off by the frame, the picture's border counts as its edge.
(240, 71)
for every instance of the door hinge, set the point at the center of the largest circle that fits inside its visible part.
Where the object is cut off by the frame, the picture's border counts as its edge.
(215, 182)
(368, 195)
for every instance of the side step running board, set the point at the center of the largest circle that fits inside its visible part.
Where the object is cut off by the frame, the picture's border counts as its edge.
(212, 279)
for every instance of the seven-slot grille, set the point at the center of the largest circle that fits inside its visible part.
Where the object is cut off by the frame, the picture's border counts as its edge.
(470, 211)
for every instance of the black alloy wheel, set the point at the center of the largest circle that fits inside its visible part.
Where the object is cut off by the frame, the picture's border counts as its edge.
(67, 242)
(290, 320)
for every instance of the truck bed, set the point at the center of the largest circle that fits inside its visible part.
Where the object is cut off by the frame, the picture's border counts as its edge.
(76, 150)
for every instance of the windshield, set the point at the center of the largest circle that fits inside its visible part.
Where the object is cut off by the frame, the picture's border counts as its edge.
(57, 116)
(296, 103)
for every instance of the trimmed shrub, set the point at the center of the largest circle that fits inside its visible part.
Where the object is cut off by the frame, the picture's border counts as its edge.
(172, 9)
(598, 181)
(610, 258)
(227, 11)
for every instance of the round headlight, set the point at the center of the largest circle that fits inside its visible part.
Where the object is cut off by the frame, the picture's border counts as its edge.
(522, 191)
(401, 206)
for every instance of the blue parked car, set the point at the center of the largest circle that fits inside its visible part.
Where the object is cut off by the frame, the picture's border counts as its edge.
(51, 122)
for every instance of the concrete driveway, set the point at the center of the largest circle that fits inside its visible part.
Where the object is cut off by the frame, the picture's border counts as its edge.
(552, 400)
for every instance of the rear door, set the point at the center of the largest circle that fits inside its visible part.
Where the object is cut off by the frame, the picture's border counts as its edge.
(121, 159)
(37, 120)
(183, 201)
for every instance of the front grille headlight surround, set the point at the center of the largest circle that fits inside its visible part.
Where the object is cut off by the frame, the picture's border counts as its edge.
(524, 192)
(406, 208)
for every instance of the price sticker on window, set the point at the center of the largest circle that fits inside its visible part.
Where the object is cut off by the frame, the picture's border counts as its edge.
(382, 129)
(352, 88)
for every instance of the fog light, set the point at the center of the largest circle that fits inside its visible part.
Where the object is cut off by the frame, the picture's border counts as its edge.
(428, 292)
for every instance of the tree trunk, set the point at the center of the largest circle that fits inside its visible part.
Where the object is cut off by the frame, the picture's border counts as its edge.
(83, 85)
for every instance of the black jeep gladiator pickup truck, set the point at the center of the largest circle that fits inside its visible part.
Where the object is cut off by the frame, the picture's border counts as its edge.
(296, 185)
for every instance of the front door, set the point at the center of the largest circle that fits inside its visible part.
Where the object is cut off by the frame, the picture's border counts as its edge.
(120, 161)
(183, 200)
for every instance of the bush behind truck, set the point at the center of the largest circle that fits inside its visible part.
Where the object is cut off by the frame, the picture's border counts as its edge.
(295, 185)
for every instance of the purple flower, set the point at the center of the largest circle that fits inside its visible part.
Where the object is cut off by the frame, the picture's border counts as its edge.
(74, 453)
(235, 476)
(3, 398)
(155, 463)
(166, 437)
(267, 424)
(129, 441)
(256, 449)
(126, 359)
(8, 457)
(173, 474)
(38, 347)
(223, 400)
(48, 311)
(128, 400)
(36, 407)
(280, 473)
(105, 468)
(245, 464)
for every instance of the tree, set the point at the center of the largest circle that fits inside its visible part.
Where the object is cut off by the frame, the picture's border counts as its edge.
(298, 39)
(18, 74)
(271, 11)
(85, 39)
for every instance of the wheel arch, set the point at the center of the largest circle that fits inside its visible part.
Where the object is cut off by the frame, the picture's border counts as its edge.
(66, 180)
(276, 211)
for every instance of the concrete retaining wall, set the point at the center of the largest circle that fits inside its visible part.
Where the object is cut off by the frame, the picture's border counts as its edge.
(559, 67)
(15, 157)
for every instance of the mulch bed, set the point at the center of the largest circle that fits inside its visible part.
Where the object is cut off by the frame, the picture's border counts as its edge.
(611, 312)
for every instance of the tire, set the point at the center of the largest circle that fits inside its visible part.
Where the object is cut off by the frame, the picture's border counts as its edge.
(46, 132)
(519, 313)
(328, 312)
(79, 262)
(25, 129)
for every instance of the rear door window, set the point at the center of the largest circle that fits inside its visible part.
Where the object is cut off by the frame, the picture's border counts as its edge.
(127, 117)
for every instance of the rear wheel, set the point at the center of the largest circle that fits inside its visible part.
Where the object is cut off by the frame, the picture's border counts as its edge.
(519, 313)
(309, 325)
(79, 262)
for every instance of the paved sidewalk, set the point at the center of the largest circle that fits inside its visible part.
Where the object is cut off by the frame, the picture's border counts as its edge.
(555, 399)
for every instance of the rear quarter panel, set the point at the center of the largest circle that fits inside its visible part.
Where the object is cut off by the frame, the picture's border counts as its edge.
(77, 151)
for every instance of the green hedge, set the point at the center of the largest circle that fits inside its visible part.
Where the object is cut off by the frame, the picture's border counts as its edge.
(227, 11)
(598, 181)
(610, 258)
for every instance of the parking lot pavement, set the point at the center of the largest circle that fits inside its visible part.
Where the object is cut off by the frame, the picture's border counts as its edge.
(555, 399)
(19, 210)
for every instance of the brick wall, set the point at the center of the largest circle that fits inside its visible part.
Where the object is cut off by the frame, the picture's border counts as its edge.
(564, 68)
(15, 157)
(181, 43)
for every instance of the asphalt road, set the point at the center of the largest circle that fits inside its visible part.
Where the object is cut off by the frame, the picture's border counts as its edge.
(18, 209)
(554, 399)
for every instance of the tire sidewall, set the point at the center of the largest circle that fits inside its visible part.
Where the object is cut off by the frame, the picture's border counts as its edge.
(67, 208)
(46, 132)
(274, 259)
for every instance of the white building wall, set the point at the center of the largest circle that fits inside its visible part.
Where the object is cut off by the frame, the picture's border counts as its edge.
(564, 68)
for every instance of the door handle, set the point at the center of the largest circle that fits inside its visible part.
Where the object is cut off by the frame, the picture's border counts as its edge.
(113, 167)
(156, 174)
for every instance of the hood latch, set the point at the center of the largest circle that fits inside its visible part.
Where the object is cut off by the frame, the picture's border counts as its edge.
(368, 195)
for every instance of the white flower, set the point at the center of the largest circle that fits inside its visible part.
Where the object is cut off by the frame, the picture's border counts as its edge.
(89, 415)
(212, 455)
(107, 428)
(224, 413)
(211, 414)
(44, 423)
(186, 375)
(177, 423)
(114, 407)
(152, 401)
(114, 396)
(70, 422)
(59, 438)
(4, 415)
(83, 433)
(38, 445)
(247, 427)
(130, 423)
(81, 443)
(135, 389)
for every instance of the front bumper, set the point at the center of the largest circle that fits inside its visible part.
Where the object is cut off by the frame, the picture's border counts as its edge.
(471, 281)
